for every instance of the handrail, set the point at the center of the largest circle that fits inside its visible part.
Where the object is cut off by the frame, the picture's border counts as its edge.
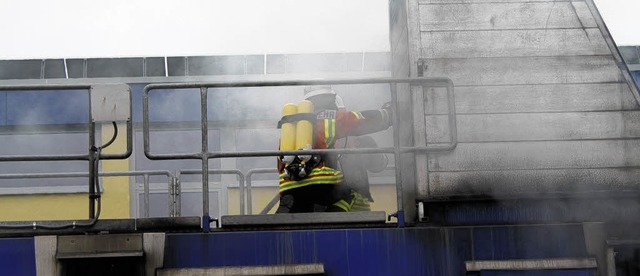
(426, 82)
(249, 174)
(94, 153)
(53, 87)
(271, 203)
(205, 155)
(170, 177)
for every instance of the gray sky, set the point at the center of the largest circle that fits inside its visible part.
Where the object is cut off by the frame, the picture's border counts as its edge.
(115, 28)
(622, 17)
(120, 28)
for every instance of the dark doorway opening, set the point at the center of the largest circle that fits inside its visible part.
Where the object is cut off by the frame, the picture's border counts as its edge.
(103, 266)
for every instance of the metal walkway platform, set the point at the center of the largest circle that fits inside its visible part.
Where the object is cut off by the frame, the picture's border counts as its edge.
(303, 219)
(64, 227)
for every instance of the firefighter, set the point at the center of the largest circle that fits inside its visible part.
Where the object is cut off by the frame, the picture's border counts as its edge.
(309, 181)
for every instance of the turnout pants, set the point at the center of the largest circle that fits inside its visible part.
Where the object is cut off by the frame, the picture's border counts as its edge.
(314, 198)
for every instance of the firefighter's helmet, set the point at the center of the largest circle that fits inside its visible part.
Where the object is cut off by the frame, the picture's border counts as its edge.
(323, 97)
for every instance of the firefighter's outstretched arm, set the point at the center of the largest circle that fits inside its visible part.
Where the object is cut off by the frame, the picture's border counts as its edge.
(374, 121)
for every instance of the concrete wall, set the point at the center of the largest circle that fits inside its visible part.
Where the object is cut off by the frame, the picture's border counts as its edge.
(544, 103)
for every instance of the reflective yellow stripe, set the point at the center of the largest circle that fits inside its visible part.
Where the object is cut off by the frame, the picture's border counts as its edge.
(360, 203)
(343, 205)
(318, 176)
(311, 181)
(329, 132)
(319, 171)
(358, 115)
(327, 123)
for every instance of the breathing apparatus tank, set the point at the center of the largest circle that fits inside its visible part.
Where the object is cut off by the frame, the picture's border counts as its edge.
(304, 128)
(297, 134)
(304, 135)
(288, 131)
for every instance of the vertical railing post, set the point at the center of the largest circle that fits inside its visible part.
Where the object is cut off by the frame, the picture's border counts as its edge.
(249, 197)
(178, 195)
(205, 160)
(146, 195)
(249, 186)
(396, 154)
(92, 169)
(171, 195)
(242, 193)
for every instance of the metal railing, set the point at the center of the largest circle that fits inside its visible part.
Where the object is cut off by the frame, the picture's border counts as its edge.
(46, 88)
(241, 181)
(250, 173)
(170, 178)
(204, 155)
(92, 154)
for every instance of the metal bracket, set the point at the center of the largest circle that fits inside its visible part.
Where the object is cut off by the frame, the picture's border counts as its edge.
(110, 102)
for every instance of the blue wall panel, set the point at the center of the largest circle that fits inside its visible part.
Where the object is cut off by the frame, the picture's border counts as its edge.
(177, 105)
(382, 251)
(386, 251)
(47, 107)
(3, 108)
(460, 249)
(528, 242)
(17, 257)
(174, 105)
(343, 252)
